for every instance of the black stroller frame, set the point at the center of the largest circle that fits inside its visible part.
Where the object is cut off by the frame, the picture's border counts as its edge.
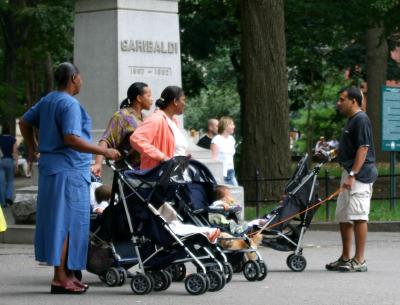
(145, 280)
(296, 261)
(253, 270)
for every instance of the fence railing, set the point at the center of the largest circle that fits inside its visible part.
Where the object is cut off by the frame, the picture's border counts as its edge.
(327, 184)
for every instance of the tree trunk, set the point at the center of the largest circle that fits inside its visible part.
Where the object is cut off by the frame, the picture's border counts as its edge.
(49, 75)
(377, 54)
(265, 109)
(10, 68)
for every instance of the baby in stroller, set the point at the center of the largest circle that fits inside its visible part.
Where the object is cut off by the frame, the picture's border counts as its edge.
(225, 212)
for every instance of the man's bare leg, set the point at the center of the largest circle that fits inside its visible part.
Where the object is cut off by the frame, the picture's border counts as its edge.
(360, 234)
(346, 232)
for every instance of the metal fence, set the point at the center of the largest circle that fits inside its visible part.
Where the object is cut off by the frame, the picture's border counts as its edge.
(385, 188)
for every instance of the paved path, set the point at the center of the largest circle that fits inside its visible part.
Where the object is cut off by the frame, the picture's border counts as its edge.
(23, 281)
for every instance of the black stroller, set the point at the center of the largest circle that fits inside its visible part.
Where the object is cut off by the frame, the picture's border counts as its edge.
(132, 232)
(278, 232)
(193, 200)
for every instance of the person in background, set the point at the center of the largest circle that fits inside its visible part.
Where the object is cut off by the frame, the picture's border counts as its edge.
(63, 203)
(333, 143)
(212, 130)
(23, 160)
(8, 166)
(321, 145)
(223, 149)
(124, 122)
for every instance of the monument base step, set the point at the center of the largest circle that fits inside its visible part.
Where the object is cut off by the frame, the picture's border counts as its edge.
(18, 234)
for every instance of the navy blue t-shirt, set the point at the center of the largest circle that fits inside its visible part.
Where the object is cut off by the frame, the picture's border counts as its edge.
(6, 144)
(357, 133)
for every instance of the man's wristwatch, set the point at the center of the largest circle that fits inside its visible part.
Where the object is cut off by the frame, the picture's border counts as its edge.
(352, 174)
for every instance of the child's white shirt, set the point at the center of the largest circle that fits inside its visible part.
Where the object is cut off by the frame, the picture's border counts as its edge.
(93, 187)
(102, 205)
(217, 203)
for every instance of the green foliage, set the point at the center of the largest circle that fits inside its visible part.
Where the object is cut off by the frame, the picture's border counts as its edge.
(209, 35)
(218, 96)
(5, 110)
(50, 30)
(319, 114)
(380, 211)
(212, 102)
(38, 32)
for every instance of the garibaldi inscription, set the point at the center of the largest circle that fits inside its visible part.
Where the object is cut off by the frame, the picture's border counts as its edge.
(150, 46)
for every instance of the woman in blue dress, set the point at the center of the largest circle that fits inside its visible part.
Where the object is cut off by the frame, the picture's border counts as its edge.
(62, 216)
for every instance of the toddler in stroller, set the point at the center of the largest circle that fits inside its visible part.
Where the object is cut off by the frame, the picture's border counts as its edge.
(193, 201)
(225, 212)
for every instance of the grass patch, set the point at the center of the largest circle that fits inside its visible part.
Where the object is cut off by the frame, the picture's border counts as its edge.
(380, 211)
(335, 170)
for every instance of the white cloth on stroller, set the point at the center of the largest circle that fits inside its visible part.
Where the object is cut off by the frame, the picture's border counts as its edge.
(179, 228)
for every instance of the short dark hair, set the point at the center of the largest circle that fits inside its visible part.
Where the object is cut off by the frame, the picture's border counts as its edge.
(168, 95)
(102, 193)
(353, 93)
(64, 73)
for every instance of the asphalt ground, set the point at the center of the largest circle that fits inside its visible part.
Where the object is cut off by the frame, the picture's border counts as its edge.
(24, 281)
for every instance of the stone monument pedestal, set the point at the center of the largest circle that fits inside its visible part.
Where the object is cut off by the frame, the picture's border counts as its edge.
(119, 42)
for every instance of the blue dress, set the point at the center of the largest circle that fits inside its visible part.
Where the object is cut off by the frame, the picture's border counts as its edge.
(63, 205)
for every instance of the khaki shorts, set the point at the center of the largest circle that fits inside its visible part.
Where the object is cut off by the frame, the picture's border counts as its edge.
(353, 204)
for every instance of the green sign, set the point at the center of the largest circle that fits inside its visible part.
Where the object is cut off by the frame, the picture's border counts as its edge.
(390, 118)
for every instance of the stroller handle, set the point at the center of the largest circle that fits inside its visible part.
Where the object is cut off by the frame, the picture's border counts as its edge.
(124, 156)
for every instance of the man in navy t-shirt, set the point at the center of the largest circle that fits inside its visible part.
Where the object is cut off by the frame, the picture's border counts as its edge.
(357, 157)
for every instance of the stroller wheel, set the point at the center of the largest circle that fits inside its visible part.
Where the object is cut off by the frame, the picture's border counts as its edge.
(217, 280)
(228, 270)
(206, 278)
(141, 284)
(196, 284)
(162, 280)
(288, 259)
(263, 271)
(296, 263)
(169, 276)
(122, 276)
(251, 271)
(152, 280)
(112, 277)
